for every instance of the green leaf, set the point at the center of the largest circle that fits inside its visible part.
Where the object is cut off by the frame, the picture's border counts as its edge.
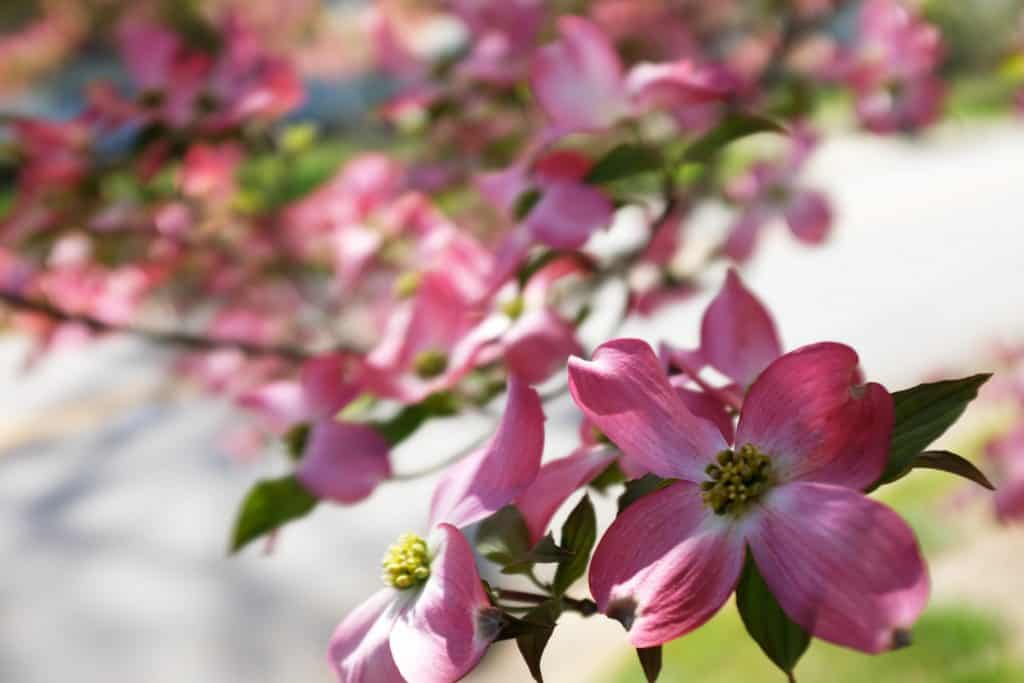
(650, 661)
(782, 640)
(295, 440)
(733, 127)
(542, 619)
(611, 475)
(623, 161)
(525, 203)
(954, 464)
(922, 414)
(579, 533)
(638, 488)
(408, 420)
(269, 505)
(503, 538)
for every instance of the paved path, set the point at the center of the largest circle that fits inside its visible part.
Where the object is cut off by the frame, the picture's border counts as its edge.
(115, 499)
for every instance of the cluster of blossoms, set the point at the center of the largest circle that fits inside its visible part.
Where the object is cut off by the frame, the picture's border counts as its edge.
(1005, 450)
(523, 166)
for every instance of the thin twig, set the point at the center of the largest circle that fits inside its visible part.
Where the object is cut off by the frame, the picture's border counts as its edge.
(160, 337)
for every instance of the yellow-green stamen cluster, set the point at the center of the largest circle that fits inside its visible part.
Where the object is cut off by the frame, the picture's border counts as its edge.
(406, 563)
(738, 479)
(513, 308)
(407, 284)
(430, 363)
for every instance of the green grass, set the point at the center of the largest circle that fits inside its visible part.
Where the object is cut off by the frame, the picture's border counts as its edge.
(952, 645)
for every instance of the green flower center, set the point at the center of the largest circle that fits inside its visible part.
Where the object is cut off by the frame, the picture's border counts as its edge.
(430, 363)
(738, 479)
(407, 284)
(406, 563)
(514, 307)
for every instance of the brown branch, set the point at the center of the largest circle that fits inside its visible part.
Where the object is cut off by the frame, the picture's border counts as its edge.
(160, 337)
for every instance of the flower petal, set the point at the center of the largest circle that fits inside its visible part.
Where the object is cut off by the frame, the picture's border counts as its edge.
(538, 344)
(327, 385)
(666, 565)
(809, 412)
(809, 216)
(359, 651)
(737, 334)
(578, 80)
(344, 462)
(843, 566)
(739, 245)
(556, 481)
(442, 634)
(495, 475)
(568, 213)
(711, 409)
(625, 392)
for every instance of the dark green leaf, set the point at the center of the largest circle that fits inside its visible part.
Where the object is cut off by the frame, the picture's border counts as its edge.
(954, 464)
(638, 488)
(650, 661)
(612, 475)
(408, 420)
(525, 203)
(545, 552)
(782, 640)
(922, 414)
(531, 644)
(503, 538)
(270, 504)
(295, 440)
(731, 128)
(625, 160)
(579, 533)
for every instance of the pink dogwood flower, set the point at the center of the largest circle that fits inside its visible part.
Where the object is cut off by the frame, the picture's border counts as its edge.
(565, 213)
(432, 341)
(537, 337)
(433, 622)
(768, 190)
(582, 86)
(892, 68)
(810, 439)
(1007, 456)
(341, 461)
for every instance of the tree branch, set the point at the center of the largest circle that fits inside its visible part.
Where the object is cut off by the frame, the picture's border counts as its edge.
(159, 337)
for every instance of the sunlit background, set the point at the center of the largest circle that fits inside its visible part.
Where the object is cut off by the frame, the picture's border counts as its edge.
(118, 487)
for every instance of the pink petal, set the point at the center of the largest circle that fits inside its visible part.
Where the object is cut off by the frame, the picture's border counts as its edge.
(739, 245)
(578, 80)
(679, 84)
(737, 334)
(810, 412)
(442, 634)
(538, 344)
(556, 481)
(809, 216)
(344, 462)
(280, 404)
(625, 392)
(841, 565)
(568, 213)
(708, 408)
(1010, 501)
(327, 384)
(359, 651)
(494, 476)
(666, 565)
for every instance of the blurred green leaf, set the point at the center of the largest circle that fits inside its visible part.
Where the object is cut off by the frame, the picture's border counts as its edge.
(778, 636)
(731, 128)
(624, 160)
(269, 505)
